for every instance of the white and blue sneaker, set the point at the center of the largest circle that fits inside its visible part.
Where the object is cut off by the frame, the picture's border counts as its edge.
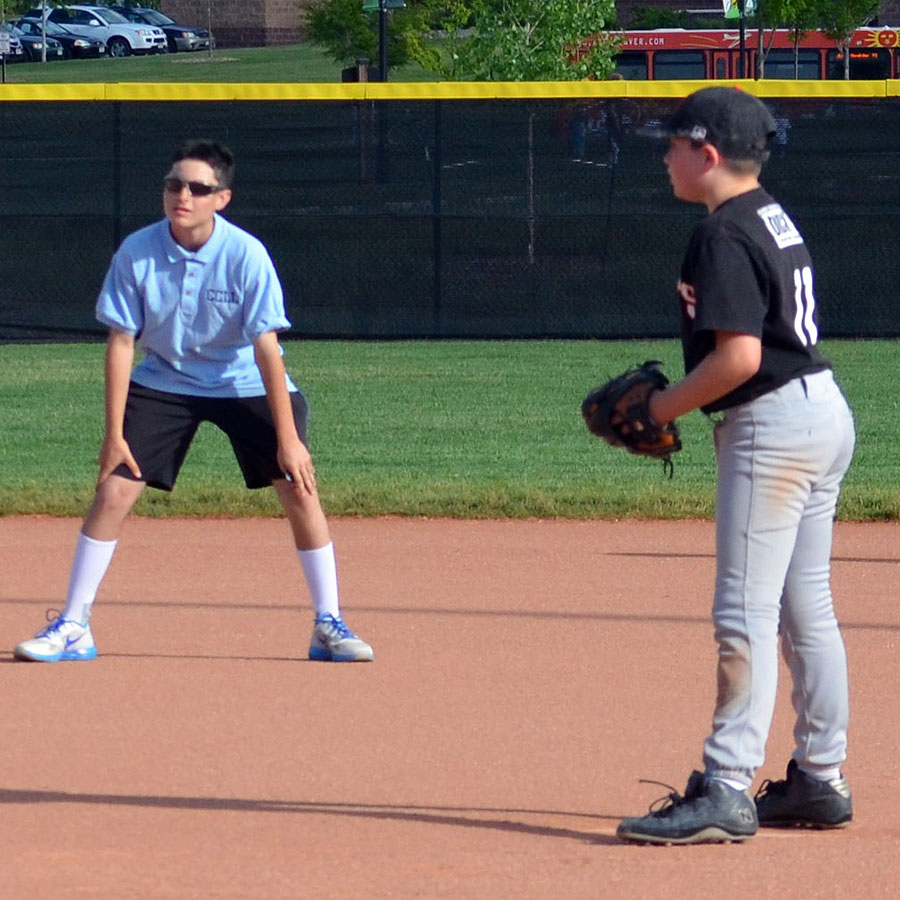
(61, 640)
(333, 641)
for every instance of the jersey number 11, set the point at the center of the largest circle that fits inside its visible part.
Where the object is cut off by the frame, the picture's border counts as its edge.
(805, 303)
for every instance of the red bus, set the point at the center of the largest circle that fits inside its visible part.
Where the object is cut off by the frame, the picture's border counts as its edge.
(680, 54)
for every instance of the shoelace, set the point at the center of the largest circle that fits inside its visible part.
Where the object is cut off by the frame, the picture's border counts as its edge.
(771, 787)
(663, 804)
(55, 619)
(338, 625)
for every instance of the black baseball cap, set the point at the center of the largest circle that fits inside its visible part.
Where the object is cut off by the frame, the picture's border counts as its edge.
(736, 123)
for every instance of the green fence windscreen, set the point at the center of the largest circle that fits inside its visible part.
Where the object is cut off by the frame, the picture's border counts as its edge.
(439, 217)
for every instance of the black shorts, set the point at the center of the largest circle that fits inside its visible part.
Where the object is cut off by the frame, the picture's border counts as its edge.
(159, 428)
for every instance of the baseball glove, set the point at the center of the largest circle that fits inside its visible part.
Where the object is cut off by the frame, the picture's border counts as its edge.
(617, 412)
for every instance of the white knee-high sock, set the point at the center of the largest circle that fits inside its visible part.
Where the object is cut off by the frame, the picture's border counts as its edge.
(320, 571)
(92, 559)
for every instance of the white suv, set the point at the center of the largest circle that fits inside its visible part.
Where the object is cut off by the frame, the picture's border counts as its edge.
(120, 36)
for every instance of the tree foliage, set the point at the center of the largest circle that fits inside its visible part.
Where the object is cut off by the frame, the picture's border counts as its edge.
(838, 19)
(535, 40)
(539, 40)
(437, 43)
(798, 16)
(512, 40)
(347, 33)
(12, 9)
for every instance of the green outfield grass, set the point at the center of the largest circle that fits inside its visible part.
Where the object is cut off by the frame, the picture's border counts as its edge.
(291, 63)
(426, 428)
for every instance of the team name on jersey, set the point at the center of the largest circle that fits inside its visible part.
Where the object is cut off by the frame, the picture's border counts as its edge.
(218, 296)
(780, 226)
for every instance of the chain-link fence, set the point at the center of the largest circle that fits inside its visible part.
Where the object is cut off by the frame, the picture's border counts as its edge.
(439, 218)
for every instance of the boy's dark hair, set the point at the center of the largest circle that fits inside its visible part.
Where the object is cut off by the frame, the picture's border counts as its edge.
(217, 156)
(744, 166)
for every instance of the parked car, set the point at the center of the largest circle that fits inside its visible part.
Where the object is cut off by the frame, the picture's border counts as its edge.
(74, 45)
(120, 36)
(33, 44)
(179, 37)
(16, 50)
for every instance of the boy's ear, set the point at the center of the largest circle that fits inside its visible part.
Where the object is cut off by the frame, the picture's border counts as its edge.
(223, 198)
(712, 156)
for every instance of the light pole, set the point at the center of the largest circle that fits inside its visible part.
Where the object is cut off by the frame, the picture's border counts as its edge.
(382, 7)
(382, 40)
(43, 31)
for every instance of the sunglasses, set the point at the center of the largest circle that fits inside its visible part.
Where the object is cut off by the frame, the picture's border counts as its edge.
(195, 188)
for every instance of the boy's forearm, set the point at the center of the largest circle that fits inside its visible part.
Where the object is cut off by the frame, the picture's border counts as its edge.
(735, 359)
(282, 412)
(271, 368)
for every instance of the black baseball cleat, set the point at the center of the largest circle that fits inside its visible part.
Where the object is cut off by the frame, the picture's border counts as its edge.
(801, 801)
(710, 812)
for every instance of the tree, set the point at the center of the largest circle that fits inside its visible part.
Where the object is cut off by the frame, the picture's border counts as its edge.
(533, 40)
(838, 19)
(12, 9)
(437, 36)
(508, 40)
(798, 16)
(347, 33)
(343, 30)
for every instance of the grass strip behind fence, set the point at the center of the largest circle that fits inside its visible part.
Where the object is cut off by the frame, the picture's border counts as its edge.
(469, 429)
(287, 63)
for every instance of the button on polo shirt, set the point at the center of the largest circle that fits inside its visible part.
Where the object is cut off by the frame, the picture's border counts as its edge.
(196, 313)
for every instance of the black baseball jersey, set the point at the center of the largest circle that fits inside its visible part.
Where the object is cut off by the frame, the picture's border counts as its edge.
(747, 270)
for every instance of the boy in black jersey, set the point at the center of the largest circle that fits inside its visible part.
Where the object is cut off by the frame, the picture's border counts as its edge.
(784, 439)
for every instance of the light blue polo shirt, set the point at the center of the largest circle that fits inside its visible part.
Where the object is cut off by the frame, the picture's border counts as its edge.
(196, 313)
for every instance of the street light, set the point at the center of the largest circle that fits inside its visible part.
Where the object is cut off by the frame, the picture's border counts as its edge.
(43, 31)
(382, 7)
(740, 9)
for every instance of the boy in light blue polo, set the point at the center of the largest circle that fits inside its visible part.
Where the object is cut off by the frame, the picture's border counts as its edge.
(202, 298)
(197, 328)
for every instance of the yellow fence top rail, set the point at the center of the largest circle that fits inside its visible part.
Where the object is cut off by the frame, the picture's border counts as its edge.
(430, 90)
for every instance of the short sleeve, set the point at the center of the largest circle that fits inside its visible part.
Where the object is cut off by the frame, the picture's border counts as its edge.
(730, 292)
(263, 296)
(119, 304)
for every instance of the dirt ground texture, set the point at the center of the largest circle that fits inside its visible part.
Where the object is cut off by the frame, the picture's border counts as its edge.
(527, 675)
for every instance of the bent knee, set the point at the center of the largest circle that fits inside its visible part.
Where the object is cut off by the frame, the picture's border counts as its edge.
(302, 503)
(117, 494)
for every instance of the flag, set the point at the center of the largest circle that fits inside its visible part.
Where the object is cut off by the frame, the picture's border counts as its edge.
(733, 10)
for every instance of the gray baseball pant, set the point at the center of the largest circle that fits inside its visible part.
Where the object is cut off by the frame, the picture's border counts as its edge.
(780, 459)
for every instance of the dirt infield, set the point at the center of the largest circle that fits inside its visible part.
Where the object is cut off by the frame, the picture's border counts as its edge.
(527, 675)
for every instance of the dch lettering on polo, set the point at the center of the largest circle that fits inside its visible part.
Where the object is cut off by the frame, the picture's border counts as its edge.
(214, 295)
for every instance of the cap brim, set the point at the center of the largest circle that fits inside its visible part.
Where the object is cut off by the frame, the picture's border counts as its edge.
(656, 131)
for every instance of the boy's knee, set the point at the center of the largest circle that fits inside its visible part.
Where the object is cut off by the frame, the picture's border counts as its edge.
(117, 494)
(302, 503)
